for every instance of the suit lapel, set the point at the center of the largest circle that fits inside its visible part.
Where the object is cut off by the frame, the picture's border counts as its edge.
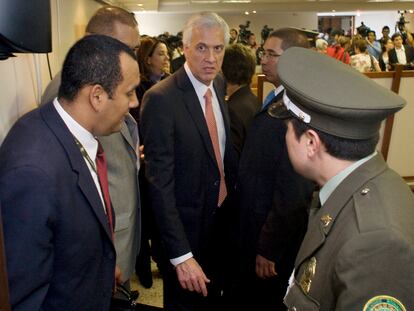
(193, 106)
(317, 229)
(85, 181)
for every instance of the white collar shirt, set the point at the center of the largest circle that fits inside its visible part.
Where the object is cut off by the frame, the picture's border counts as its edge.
(402, 59)
(201, 89)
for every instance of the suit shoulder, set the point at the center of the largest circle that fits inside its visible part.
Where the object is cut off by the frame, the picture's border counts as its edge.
(383, 202)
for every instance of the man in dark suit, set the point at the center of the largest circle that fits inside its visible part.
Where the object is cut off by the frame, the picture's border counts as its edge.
(357, 252)
(188, 159)
(4, 286)
(120, 148)
(401, 54)
(272, 198)
(57, 214)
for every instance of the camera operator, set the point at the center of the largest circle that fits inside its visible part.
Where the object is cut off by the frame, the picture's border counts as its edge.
(405, 34)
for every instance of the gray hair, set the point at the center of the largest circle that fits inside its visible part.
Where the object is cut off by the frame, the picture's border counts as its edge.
(321, 44)
(204, 20)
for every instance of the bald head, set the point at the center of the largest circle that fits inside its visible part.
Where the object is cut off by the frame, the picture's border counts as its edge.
(117, 23)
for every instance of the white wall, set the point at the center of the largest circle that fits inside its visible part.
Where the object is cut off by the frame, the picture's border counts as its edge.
(173, 23)
(378, 19)
(19, 91)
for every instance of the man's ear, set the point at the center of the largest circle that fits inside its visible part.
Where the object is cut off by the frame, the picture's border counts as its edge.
(313, 143)
(97, 96)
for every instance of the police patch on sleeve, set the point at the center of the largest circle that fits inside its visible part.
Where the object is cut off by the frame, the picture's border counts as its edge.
(384, 303)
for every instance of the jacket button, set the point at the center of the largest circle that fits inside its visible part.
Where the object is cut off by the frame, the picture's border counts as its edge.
(217, 183)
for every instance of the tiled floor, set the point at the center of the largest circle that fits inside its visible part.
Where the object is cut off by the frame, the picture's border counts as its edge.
(151, 296)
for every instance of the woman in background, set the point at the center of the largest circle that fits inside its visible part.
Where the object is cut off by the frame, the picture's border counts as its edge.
(154, 66)
(384, 60)
(362, 61)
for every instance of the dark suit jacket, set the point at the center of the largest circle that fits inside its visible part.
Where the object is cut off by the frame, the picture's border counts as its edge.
(60, 255)
(180, 164)
(4, 286)
(409, 54)
(243, 106)
(365, 250)
(273, 198)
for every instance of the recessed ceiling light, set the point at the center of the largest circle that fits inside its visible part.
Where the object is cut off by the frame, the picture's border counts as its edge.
(247, 13)
(254, 12)
(140, 4)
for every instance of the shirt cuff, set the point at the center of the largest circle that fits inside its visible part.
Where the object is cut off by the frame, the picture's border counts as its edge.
(176, 261)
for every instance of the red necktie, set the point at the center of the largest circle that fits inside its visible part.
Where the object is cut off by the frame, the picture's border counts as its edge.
(212, 129)
(102, 172)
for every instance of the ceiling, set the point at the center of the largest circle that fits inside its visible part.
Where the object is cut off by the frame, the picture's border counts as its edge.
(261, 6)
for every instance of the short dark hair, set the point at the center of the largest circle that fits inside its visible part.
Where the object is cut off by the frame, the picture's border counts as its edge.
(338, 147)
(397, 34)
(371, 31)
(290, 37)
(385, 27)
(104, 19)
(93, 60)
(239, 64)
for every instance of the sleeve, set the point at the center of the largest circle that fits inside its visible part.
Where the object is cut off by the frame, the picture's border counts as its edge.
(157, 129)
(28, 210)
(374, 264)
(286, 224)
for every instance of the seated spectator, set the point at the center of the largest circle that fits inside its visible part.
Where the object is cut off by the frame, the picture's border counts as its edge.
(373, 46)
(340, 49)
(321, 46)
(238, 68)
(401, 54)
(384, 59)
(362, 61)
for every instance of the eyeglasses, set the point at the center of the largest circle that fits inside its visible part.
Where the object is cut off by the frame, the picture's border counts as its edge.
(268, 55)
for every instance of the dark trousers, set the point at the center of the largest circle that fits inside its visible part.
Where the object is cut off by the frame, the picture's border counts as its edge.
(214, 260)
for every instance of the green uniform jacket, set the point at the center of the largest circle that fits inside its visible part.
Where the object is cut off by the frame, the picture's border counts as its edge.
(359, 246)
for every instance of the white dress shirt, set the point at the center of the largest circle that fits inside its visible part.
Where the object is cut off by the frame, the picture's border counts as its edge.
(402, 59)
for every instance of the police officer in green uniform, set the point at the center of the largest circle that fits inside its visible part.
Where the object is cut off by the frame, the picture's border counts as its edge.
(358, 252)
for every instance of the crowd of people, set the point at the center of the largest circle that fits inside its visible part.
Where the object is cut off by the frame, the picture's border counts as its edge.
(366, 53)
(243, 205)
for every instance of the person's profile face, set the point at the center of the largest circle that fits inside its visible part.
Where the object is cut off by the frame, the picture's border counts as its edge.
(159, 61)
(371, 36)
(233, 34)
(204, 54)
(114, 109)
(272, 51)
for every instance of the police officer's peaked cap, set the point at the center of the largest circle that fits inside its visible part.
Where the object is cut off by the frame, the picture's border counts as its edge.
(333, 97)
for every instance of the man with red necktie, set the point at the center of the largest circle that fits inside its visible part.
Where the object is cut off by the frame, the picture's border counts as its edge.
(189, 159)
(57, 215)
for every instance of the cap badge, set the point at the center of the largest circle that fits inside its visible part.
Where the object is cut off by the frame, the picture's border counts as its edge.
(383, 302)
(307, 275)
(326, 220)
(299, 113)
